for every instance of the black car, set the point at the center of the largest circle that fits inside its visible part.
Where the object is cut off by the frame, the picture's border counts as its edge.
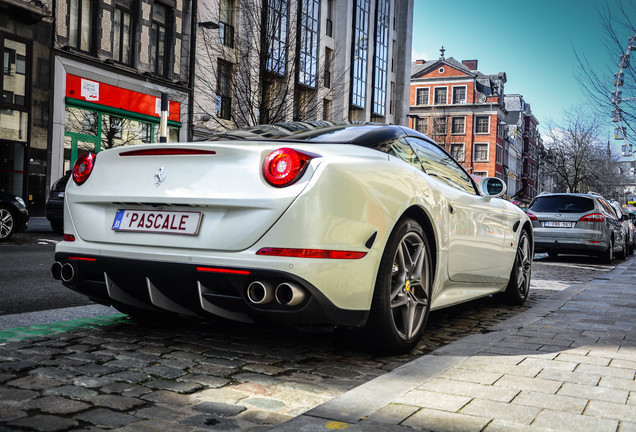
(14, 215)
(55, 203)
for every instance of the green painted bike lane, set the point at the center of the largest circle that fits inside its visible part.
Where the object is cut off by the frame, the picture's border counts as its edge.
(21, 333)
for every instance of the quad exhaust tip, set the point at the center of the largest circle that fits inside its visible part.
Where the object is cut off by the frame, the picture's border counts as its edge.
(56, 270)
(260, 292)
(286, 293)
(65, 272)
(289, 294)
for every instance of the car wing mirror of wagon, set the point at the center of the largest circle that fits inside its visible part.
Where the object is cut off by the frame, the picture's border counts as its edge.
(492, 186)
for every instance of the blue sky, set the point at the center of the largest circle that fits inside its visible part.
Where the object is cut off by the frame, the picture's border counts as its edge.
(533, 42)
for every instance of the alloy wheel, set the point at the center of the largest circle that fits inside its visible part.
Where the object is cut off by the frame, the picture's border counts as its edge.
(6, 223)
(410, 290)
(524, 266)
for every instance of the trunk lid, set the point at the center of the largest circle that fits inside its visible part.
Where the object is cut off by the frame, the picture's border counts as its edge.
(225, 186)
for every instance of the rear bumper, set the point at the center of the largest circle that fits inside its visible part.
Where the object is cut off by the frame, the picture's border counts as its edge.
(191, 289)
(569, 246)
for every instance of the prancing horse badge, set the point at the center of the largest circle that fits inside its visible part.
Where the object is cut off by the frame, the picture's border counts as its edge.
(159, 176)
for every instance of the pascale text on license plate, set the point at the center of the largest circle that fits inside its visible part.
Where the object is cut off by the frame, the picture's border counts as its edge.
(557, 224)
(157, 221)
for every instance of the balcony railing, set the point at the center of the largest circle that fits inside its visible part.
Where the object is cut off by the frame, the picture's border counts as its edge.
(226, 34)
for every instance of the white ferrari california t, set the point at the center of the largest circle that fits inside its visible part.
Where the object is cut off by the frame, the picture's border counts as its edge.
(314, 225)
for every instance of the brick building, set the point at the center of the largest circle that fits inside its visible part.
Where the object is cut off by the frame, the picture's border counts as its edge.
(462, 109)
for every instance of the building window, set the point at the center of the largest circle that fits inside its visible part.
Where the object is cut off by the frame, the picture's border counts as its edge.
(277, 23)
(326, 110)
(226, 23)
(459, 95)
(360, 54)
(122, 33)
(482, 124)
(308, 52)
(481, 152)
(457, 151)
(441, 95)
(14, 105)
(381, 58)
(158, 39)
(329, 23)
(421, 96)
(421, 125)
(439, 125)
(499, 155)
(328, 60)
(80, 25)
(223, 96)
(481, 173)
(458, 125)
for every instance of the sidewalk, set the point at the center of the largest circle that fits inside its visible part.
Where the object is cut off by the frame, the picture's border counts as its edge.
(568, 364)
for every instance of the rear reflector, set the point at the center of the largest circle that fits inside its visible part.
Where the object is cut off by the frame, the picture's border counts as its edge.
(311, 253)
(69, 237)
(169, 151)
(76, 258)
(222, 270)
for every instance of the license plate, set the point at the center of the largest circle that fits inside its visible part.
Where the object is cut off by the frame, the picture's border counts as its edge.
(157, 221)
(555, 224)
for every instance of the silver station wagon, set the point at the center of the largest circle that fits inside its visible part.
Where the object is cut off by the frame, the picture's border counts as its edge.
(583, 224)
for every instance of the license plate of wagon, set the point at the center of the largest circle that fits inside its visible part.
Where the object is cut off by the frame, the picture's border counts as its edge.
(557, 224)
(157, 221)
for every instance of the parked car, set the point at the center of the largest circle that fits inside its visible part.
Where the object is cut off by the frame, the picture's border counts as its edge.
(628, 225)
(54, 207)
(14, 216)
(573, 223)
(315, 225)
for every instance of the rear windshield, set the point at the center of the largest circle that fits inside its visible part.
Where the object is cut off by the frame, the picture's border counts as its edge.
(562, 204)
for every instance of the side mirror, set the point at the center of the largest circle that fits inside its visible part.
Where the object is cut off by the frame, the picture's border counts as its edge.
(492, 187)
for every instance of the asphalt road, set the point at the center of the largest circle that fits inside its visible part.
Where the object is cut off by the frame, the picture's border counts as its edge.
(26, 284)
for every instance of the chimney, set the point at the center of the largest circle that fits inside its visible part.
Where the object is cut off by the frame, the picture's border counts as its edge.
(420, 61)
(470, 64)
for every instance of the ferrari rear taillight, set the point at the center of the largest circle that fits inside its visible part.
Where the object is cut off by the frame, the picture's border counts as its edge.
(594, 217)
(284, 166)
(83, 167)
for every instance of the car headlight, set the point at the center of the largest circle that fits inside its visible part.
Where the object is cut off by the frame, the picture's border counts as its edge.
(21, 201)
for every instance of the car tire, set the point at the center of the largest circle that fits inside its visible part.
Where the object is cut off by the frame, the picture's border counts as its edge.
(608, 255)
(57, 227)
(518, 287)
(402, 295)
(8, 223)
(623, 253)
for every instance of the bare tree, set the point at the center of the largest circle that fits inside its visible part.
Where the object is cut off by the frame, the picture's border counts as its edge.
(578, 159)
(263, 75)
(612, 88)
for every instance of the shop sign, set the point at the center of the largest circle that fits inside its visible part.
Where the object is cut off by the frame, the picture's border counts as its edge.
(119, 98)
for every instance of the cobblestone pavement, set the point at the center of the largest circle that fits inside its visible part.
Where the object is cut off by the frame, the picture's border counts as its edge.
(193, 375)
